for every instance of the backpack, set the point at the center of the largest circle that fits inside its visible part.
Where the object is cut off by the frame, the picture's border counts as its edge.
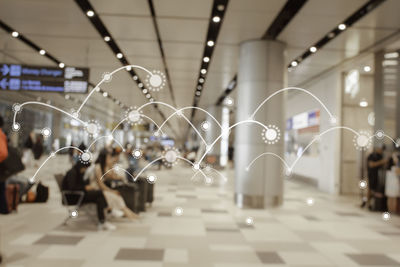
(42, 193)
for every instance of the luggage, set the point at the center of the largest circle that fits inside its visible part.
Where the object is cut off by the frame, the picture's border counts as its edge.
(11, 165)
(42, 193)
(150, 193)
(130, 194)
(143, 189)
(12, 197)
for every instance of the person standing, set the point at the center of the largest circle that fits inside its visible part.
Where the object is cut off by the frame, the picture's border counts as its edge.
(3, 156)
(375, 164)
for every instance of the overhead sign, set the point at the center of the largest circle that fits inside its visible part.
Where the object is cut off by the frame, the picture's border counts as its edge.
(303, 120)
(47, 79)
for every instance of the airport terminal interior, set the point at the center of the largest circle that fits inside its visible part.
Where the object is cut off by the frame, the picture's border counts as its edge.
(201, 133)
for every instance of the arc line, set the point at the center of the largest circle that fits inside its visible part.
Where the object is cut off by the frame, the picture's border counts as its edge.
(267, 153)
(183, 116)
(102, 80)
(105, 136)
(192, 164)
(113, 168)
(228, 129)
(50, 156)
(148, 165)
(47, 105)
(292, 88)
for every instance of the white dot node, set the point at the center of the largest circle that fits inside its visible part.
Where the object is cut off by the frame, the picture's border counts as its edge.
(371, 119)
(178, 211)
(74, 214)
(155, 81)
(380, 134)
(179, 112)
(205, 126)
(137, 153)
(208, 180)
(17, 107)
(75, 114)
(228, 101)
(288, 172)
(16, 126)
(362, 141)
(171, 156)
(151, 179)
(32, 180)
(310, 201)
(85, 157)
(46, 132)
(134, 116)
(271, 134)
(107, 77)
(196, 166)
(249, 221)
(362, 184)
(156, 133)
(333, 120)
(386, 216)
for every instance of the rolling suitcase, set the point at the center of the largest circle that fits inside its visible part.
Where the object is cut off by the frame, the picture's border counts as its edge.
(12, 196)
(143, 189)
(130, 194)
(150, 193)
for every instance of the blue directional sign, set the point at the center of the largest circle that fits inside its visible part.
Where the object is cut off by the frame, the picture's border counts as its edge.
(38, 78)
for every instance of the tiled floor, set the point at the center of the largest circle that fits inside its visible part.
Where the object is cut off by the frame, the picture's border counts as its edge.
(210, 232)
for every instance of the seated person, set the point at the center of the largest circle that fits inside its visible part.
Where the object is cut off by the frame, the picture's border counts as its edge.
(102, 171)
(73, 181)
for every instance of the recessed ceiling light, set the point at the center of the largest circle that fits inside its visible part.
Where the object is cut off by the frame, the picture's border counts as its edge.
(151, 99)
(206, 59)
(128, 68)
(15, 34)
(105, 94)
(294, 63)
(144, 91)
(198, 93)
(42, 52)
(313, 49)
(216, 19)
(199, 87)
(119, 55)
(61, 65)
(342, 27)
(148, 95)
(140, 85)
(107, 38)
(135, 77)
(220, 7)
(331, 35)
(201, 80)
(367, 68)
(90, 13)
(203, 71)
(210, 43)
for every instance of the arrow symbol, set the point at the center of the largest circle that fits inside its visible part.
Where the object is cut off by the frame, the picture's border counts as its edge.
(3, 83)
(5, 70)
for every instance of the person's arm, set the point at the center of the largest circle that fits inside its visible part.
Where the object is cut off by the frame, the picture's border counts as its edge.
(374, 164)
(100, 181)
(3, 147)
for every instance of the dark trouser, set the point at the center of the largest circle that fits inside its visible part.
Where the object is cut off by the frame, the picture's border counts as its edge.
(97, 197)
(3, 200)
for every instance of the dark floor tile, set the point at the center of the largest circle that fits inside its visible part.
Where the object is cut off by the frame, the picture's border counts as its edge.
(186, 196)
(164, 214)
(216, 229)
(270, 258)
(213, 211)
(311, 218)
(373, 259)
(140, 254)
(348, 214)
(59, 240)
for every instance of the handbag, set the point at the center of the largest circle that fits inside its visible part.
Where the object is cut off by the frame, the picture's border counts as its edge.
(11, 165)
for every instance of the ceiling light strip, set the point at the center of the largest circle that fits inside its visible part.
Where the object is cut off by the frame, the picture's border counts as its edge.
(348, 22)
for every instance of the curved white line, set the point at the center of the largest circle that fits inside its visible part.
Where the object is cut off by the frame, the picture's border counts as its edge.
(267, 153)
(120, 168)
(49, 157)
(287, 89)
(148, 165)
(102, 80)
(105, 136)
(50, 106)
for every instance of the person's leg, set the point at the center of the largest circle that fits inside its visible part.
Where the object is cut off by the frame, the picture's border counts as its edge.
(3, 200)
(129, 214)
(96, 196)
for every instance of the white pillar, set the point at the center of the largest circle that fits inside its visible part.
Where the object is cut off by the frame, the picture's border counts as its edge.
(261, 73)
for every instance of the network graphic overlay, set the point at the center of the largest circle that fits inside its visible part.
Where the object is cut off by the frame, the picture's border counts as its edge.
(155, 81)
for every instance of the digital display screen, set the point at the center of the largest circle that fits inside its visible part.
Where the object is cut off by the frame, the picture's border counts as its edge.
(17, 77)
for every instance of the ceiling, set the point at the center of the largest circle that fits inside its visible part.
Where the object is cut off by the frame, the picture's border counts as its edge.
(61, 28)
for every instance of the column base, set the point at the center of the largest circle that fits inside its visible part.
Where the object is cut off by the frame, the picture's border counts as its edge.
(257, 202)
